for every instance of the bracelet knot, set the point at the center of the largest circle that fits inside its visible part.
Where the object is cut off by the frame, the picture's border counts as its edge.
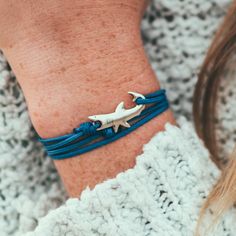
(87, 128)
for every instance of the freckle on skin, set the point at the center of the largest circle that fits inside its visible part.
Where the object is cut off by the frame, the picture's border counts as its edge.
(21, 66)
(56, 114)
(113, 36)
(64, 41)
(84, 62)
(41, 126)
(63, 69)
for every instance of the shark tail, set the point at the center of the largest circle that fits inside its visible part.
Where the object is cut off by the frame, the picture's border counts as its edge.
(136, 95)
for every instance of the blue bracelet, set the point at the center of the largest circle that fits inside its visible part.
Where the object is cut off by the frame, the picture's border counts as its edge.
(106, 128)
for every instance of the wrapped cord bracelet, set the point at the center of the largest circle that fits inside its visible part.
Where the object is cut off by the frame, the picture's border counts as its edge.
(106, 128)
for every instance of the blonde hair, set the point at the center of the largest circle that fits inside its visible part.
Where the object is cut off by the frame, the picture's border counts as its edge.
(223, 194)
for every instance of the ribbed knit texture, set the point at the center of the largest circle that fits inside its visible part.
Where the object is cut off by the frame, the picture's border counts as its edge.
(162, 194)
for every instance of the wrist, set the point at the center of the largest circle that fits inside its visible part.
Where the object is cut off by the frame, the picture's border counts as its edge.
(67, 73)
(57, 111)
(61, 95)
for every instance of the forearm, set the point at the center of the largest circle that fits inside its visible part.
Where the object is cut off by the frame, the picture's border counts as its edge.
(85, 65)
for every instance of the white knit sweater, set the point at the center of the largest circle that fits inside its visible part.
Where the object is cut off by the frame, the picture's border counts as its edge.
(162, 194)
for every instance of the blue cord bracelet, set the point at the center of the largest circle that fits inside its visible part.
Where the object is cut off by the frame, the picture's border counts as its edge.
(106, 128)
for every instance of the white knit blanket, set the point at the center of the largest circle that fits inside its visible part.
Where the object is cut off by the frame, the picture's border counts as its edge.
(162, 194)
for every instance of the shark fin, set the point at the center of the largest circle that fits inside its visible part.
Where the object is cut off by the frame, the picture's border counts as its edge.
(116, 127)
(125, 124)
(120, 107)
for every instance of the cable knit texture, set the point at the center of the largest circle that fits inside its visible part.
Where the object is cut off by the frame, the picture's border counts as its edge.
(162, 194)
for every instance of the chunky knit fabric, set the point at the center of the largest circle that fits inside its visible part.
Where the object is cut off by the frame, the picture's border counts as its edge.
(177, 35)
(162, 194)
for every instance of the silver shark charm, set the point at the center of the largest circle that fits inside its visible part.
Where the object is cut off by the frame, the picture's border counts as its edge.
(121, 116)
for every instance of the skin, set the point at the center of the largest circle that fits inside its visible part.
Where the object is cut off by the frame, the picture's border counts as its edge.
(76, 64)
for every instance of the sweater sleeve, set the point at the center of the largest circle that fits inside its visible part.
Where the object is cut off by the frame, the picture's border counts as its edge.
(161, 195)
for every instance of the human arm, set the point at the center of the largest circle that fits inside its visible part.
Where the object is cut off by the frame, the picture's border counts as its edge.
(76, 64)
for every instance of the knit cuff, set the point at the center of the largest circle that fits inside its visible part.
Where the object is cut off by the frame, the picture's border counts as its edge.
(157, 197)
